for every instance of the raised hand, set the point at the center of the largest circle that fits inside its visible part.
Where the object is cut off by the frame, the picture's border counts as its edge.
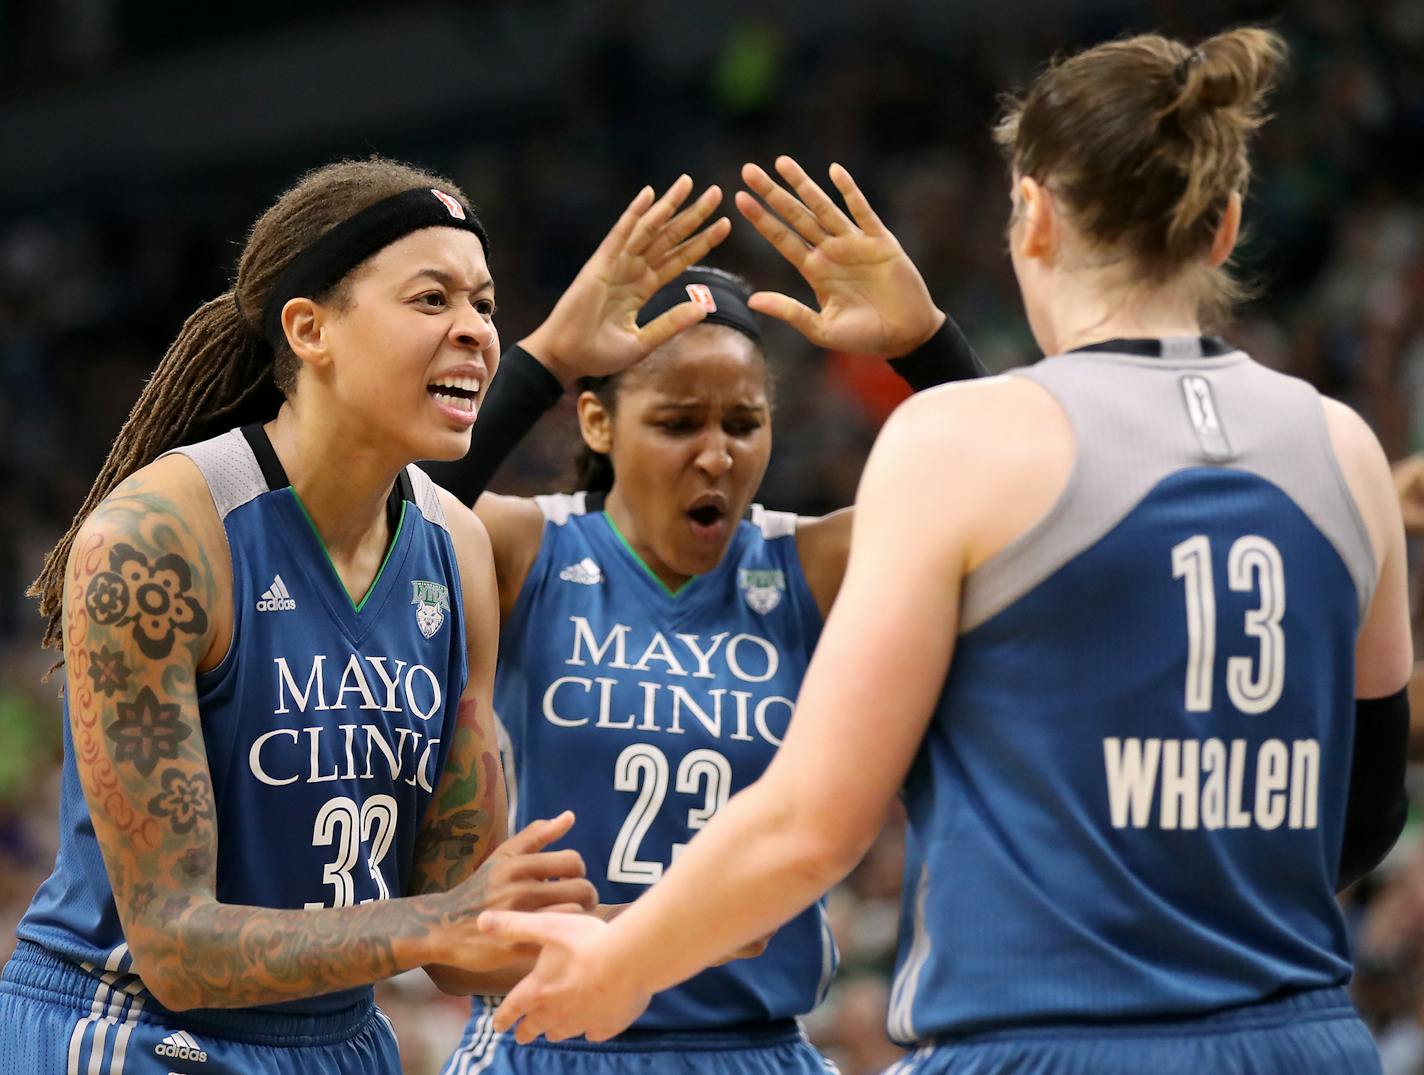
(574, 987)
(519, 875)
(1409, 483)
(593, 329)
(872, 299)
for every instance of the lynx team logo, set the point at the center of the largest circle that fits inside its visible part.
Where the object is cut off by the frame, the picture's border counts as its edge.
(454, 208)
(762, 589)
(431, 601)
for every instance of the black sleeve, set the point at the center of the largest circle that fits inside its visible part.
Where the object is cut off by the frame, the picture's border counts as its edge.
(946, 356)
(1378, 801)
(517, 397)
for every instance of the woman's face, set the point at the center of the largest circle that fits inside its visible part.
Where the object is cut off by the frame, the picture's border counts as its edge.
(689, 439)
(414, 347)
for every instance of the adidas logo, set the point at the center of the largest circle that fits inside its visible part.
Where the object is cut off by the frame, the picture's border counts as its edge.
(276, 598)
(180, 1045)
(585, 573)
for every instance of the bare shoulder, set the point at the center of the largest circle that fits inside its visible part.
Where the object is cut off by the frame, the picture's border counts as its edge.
(983, 460)
(511, 520)
(155, 545)
(1366, 470)
(470, 537)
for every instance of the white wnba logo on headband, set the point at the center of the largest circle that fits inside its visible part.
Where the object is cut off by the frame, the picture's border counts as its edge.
(702, 295)
(456, 209)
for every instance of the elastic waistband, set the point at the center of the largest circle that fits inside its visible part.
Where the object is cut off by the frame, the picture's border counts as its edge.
(1308, 1006)
(36, 972)
(714, 1039)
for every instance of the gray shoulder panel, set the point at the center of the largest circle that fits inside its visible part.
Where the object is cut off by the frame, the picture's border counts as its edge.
(558, 508)
(773, 524)
(230, 469)
(427, 497)
(1138, 420)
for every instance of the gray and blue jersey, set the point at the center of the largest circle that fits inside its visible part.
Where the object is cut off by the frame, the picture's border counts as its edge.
(644, 711)
(326, 728)
(1129, 802)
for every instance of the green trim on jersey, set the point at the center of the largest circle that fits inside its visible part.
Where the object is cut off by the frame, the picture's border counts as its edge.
(390, 548)
(643, 564)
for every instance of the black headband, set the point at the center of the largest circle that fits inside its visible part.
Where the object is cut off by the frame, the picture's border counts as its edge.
(725, 302)
(321, 265)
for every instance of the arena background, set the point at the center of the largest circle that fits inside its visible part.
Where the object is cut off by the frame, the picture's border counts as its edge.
(141, 138)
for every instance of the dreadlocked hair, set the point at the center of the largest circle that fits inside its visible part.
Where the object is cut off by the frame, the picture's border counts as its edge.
(219, 372)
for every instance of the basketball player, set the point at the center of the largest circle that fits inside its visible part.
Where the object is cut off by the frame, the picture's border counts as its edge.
(655, 631)
(281, 781)
(1128, 629)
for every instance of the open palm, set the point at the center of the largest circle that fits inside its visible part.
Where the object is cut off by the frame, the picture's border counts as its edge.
(871, 298)
(593, 329)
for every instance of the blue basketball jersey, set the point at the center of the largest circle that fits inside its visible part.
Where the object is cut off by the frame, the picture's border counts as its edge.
(643, 711)
(1130, 800)
(325, 724)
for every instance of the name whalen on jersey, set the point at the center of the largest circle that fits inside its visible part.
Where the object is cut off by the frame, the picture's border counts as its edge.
(573, 701)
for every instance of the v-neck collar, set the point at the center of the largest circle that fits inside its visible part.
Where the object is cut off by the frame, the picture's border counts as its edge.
(632, 553)
(402, 493)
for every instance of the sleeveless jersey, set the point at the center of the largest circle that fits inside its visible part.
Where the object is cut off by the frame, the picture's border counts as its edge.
(325, 723)
(644, 711)
(1130, 800)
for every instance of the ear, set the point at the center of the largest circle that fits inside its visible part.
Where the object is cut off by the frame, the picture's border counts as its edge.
(1038, 220)
(595, 423)
(302, 322)
(1224, 241)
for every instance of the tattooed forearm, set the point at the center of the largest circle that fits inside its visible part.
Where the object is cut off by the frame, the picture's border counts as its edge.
(466, 818)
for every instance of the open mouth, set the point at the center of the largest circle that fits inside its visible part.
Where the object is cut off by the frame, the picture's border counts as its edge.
(457, 393)
(706, 515)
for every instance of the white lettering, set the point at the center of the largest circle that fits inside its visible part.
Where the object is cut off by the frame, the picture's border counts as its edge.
(410, 702)
(254, 757)
(1180, 777)
(734, 664)
(553, 717)
(1236, 817)
(760, 717)
(316, 776)
(1271, 778)
(353, 671)
(1305, 784)
(284, 679)
(617, 639)
(1132, 775)
(390, 682)
(659, 650)
(704, 657)
(1213, 796)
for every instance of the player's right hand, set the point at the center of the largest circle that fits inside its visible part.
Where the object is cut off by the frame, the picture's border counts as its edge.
(519, 875)
(593, 329)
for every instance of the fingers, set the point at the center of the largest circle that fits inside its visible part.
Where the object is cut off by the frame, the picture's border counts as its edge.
(828, 214)
(856, 202)
(665, 326)
(683, 225)
(544, 866)
(575, 892)
(623, 227)
(784, 308)
(515, 1004)
(788, 244)
(652, 221)
(784, 204)
(694, 250)
(539, 834)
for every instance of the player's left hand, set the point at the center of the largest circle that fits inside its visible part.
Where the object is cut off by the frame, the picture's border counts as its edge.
(872, 298)
(576, 987)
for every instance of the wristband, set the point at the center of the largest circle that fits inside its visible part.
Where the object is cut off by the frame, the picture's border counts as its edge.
(946, 356)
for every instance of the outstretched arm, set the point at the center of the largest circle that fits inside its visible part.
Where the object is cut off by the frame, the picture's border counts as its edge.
(462, 836)
(783, 841)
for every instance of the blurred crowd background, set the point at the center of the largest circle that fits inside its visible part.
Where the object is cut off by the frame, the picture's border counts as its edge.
(142, 137)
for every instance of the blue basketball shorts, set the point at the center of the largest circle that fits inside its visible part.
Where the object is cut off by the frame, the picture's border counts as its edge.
(1314, 1033)
(770, 1049)
(57, 1019)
